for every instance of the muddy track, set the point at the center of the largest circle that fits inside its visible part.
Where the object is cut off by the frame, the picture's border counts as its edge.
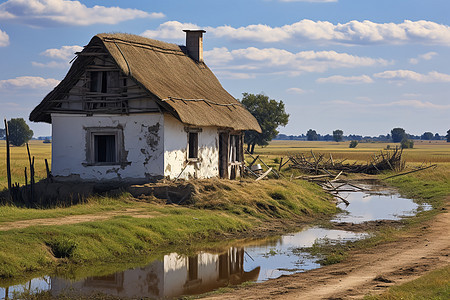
(369, 271)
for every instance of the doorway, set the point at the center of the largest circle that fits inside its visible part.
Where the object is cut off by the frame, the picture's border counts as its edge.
(223, 154)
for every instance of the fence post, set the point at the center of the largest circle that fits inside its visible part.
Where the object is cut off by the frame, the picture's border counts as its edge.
(8, 158)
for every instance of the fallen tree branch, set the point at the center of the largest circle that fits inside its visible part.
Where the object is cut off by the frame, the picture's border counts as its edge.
(396, 175)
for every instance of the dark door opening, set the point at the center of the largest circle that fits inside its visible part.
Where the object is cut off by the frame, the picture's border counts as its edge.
(223, 155)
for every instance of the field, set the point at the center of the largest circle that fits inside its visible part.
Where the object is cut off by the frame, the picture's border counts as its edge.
(423, 151)
(19, 160)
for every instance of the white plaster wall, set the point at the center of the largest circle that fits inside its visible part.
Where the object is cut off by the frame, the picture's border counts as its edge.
(175, 147)
(143, 142)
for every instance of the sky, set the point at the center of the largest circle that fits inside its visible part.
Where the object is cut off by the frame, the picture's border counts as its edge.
(362, 66)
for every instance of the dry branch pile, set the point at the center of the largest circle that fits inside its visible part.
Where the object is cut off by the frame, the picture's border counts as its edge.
(320, 164)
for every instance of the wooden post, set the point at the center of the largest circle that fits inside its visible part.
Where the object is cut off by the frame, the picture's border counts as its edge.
(26, 179)
(31, 173)
(8, 158)
(49, 175)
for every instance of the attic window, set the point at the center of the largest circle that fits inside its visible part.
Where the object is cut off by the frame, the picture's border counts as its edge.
(104, 81)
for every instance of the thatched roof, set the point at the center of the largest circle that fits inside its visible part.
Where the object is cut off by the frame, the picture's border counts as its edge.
(186, 88)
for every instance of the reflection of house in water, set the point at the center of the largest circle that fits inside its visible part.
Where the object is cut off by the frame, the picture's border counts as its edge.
(173, 276)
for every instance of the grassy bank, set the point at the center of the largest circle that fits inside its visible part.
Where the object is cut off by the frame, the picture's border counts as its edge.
(434, 285)
(218, 209)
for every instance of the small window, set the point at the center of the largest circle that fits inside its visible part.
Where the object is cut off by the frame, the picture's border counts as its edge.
(105, 148)
(193, 145)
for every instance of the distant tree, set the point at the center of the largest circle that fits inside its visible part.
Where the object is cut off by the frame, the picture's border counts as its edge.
(427, 136)
(437, 137)
(337, 135)
(448, 136)
(407, 144)
(2, 133)
(311, 135)
(353, 144)
(327, 137)
(269, 113)
(398, 134)
(19, 132)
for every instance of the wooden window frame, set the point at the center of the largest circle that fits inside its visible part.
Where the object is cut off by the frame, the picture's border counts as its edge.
(91, 150)
(192, 144)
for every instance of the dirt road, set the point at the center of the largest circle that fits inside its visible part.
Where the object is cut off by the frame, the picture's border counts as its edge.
(366, 271)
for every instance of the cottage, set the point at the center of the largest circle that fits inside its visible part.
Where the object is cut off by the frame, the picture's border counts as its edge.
(137, 109)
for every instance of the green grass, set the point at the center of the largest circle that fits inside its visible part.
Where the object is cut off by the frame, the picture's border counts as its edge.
(432, 286)
(431, 185)
(112, 240)
(220, 208)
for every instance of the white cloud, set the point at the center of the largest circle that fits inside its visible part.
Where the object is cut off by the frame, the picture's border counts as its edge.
(295, 90)
(351, 33)
(234, 75)
(279, 61)
(53, 12)
(4, 39)
(346, 79)
(170, 30)
(64, 53)
(425, 56)
(404, 75)
(29, 82)
(416, 104)
(218, 56)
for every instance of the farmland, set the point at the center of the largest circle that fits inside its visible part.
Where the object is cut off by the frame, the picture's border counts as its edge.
(423, 151)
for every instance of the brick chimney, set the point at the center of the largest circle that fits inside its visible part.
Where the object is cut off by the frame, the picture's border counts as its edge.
(194, 44)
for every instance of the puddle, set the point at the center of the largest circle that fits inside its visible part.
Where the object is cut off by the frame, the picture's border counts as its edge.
(174, 275)
(380, 205)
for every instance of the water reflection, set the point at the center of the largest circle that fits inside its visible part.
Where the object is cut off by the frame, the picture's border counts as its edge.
(172, 276)
(32, 286)
(282, 256)
(383, 205)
